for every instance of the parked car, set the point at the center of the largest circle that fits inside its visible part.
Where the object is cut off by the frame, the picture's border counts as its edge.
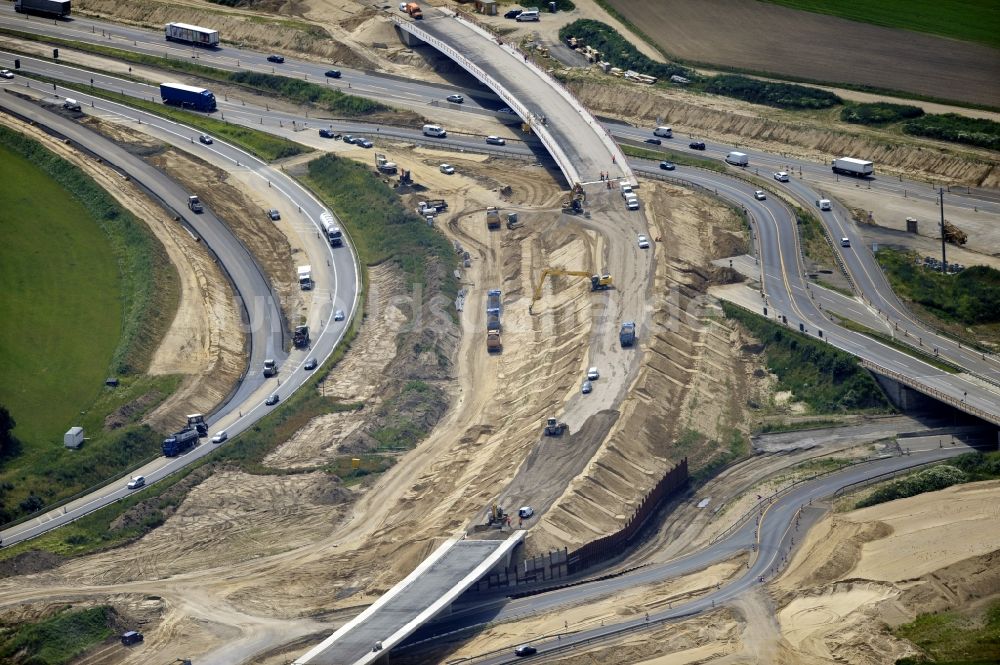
(329, 134)
(136, 482)
(525, 650)
(455, 99)
(697, 145)
(338, 315)
(349, 139)
(654, 141)
(447, 169)
(272, 399)
(760, 195)
(587, 388)
(220, 436)
(273, 215)
(643, 242)
(593, 374)
(276, 58)
(781, 176)
(206, 139)
(311, 364)
(667, 166)
(363, 142)
(496, 140)
(333, 73)
(513, 13)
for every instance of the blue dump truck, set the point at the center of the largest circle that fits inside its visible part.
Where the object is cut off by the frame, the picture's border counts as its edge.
(187, 96)
(180, 442)
(627, 334)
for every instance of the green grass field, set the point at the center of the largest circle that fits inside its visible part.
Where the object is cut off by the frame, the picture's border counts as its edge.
(967, 20)
(61, 314)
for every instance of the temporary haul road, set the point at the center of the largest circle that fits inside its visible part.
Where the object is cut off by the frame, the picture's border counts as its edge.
(334, 270)
(784, 285)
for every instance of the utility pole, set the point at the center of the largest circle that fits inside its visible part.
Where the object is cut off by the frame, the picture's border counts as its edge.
(944, 260)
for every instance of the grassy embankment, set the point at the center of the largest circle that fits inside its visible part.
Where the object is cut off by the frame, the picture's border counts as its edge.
(57, 639)
(967, 468)
(967, 21)
(955, 638)
(826, 379)
(90, 292)
(382, 230)
(661, 154)
(966, 305)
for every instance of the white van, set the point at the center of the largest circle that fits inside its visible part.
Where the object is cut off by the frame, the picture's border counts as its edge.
(626, 188)
(71, 105)
(737, 159)
(824, 204)
(665, 132)
(528, 15)
(435, 130)
(632, 202)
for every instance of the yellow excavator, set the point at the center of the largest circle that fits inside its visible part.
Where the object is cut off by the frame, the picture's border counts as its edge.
(597, 282)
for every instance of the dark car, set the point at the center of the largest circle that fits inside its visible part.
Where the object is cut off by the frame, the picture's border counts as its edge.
(654, 141)
(333, 73)
(513, 13)
(273, 215)
(697, 145)
(311, 364)
(329, 134)
(276, 58)
(272, 400)
(206, 139)
(363, 142)
(348, 139)
(667, 166)
(525, 650)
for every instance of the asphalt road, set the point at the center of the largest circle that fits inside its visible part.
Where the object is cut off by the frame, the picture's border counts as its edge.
(335, 271)
(773, 541)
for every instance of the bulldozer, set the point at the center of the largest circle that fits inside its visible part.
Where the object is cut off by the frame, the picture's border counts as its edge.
(953, 234)
(574, 204)
(555, 428)
(597, 282)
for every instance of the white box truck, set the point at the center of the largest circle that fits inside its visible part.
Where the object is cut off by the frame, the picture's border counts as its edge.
(191, 34)
(737, 159)
(305, 278)
(857, 168)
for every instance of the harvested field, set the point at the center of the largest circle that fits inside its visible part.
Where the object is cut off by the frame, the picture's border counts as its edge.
(768, 38)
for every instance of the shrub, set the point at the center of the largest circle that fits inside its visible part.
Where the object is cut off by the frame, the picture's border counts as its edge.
(879, 113)
(956, 129)
(928, 480)
(619, 51)
(304, 92)
(781, 95)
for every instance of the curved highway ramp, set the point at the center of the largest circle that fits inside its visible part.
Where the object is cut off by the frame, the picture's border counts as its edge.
(423, 594)
(582, 148)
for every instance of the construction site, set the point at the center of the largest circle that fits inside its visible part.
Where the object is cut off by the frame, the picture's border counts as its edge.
(571, 371)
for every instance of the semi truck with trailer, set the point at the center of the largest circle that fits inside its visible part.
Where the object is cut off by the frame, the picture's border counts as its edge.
(187, 96)
(857, 168)
(180, 442)
(330, 229)
(493, 301)
(56, 8)
(191, 34)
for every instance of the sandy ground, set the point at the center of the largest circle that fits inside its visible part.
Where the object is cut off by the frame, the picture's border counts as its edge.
(203, 341)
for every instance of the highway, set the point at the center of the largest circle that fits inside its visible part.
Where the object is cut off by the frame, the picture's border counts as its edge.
(783, 517)
(335, 271)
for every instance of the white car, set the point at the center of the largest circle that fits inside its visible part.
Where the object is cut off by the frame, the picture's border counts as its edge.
(760, 195)
(524, 512)
(6, 73)
(781, 176)
(220, 436)
(447, 169)
(338, 315)
(496, 140)
(643, 242)
(593, 374)
(136, 482)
